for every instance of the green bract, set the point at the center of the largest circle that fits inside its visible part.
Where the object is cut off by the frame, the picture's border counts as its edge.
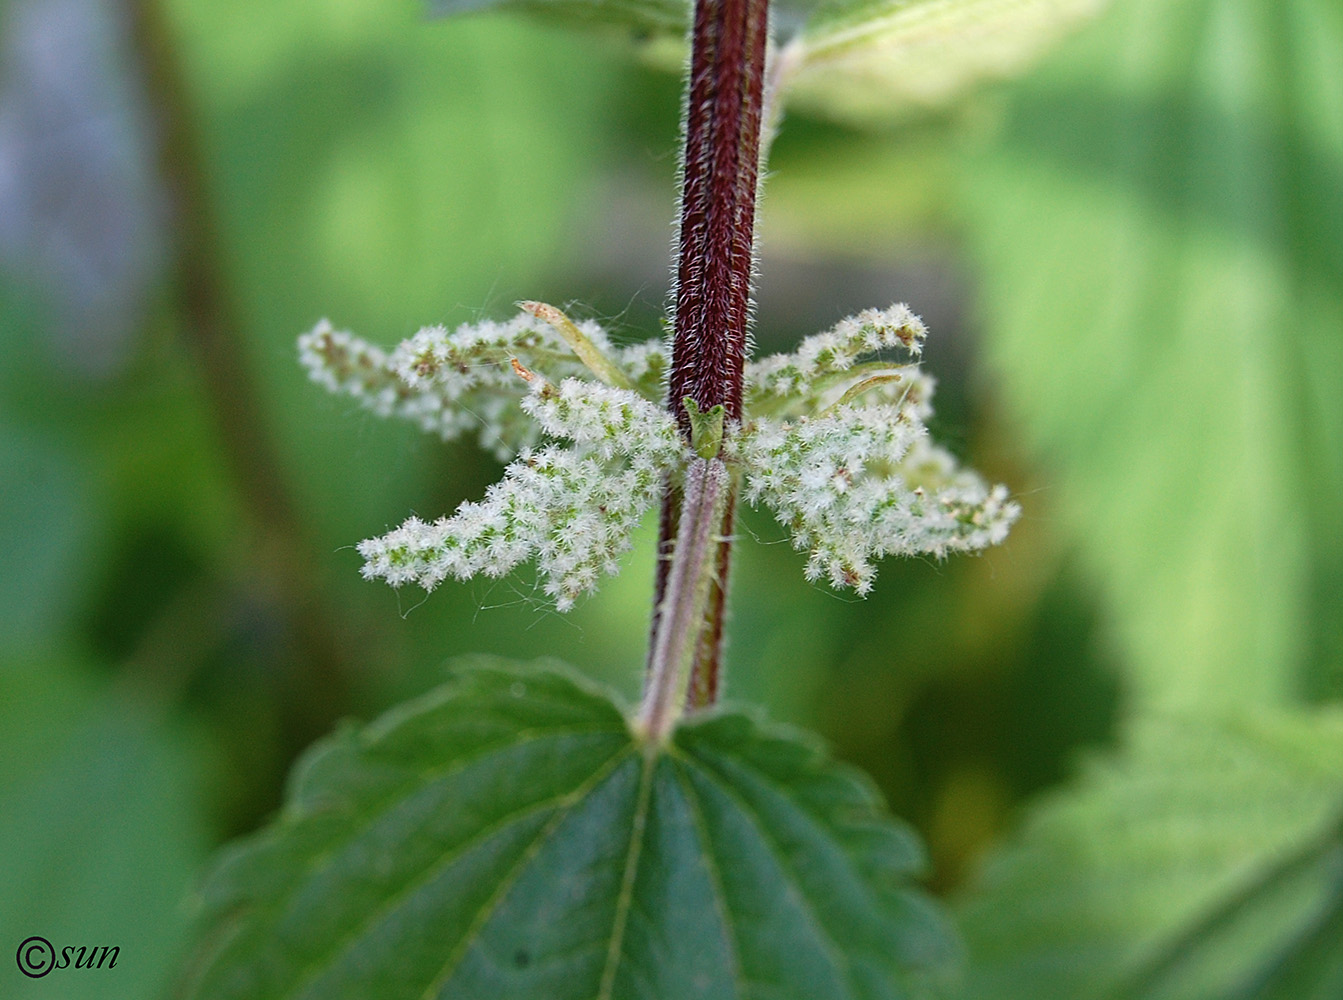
(505, 836)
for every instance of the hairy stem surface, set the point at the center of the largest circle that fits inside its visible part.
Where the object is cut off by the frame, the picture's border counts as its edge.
(720, 172)
(682, 612)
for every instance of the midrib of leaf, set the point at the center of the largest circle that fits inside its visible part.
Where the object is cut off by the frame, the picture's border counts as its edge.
(1230, 908)
(695, 893)
(506, 883)
(314, 968)
(628, 876)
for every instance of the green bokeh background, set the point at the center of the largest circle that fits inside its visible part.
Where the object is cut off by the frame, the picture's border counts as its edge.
(1131, 263)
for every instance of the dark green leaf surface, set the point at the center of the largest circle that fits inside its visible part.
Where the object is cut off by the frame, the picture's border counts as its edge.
(507, 836)
(1205, 863)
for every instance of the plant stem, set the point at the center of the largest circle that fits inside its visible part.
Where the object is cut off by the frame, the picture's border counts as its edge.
(689, 583)
(719, 175)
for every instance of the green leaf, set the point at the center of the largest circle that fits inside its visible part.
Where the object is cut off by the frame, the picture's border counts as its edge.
(1205, 862)
(862, 61)
(868, 60)
(1161, 234)
(46, 524)
(101, 832)
(645, 17)
(507, 836)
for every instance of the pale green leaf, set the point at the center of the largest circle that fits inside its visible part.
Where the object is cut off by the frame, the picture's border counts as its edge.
(1161, 239)
(1205, 862)
(506, 836)
(856, 60)
(867, 60)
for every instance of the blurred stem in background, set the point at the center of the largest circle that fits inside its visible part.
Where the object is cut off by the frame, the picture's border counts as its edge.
(315, 691)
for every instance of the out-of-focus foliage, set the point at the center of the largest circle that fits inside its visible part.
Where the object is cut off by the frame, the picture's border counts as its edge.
(881, 60)
(1205, 862)
(101, 831)
(1161, 230)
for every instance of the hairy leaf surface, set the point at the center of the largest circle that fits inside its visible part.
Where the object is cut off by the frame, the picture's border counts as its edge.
(1204, 863)
(507, 836)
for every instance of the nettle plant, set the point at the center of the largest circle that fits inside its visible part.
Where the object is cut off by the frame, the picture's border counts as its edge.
(519, 833)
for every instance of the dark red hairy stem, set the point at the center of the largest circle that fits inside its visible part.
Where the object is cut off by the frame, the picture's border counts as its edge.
(719, 176)
(720, 172)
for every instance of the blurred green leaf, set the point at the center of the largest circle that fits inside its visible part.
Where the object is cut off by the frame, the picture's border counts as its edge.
(100, 832)
(871, 60)
(1204, 863)
(1161, 234)
(507, 836)
(647, 17)
(862, 61)
(46, 522)
(387, 174)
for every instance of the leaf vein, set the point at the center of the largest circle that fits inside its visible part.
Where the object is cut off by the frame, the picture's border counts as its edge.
(834, 953)
(627, 878)
(506, 883)
(313, 968)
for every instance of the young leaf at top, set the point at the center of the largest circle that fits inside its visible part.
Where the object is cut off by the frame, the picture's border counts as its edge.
(858, 60)
(508, 835)
(646, 18)
(868, 60)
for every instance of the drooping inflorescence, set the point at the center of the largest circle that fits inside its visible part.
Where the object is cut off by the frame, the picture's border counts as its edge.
(833, 442)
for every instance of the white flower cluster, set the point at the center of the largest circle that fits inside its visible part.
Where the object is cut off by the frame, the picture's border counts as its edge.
(573, 509)
(451, 383)
(825, 359)
(839, 452)
(605, 420)
(834, 443)
(863, 482)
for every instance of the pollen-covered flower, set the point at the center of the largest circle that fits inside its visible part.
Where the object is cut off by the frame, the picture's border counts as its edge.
(833, 442)
(574, 514)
